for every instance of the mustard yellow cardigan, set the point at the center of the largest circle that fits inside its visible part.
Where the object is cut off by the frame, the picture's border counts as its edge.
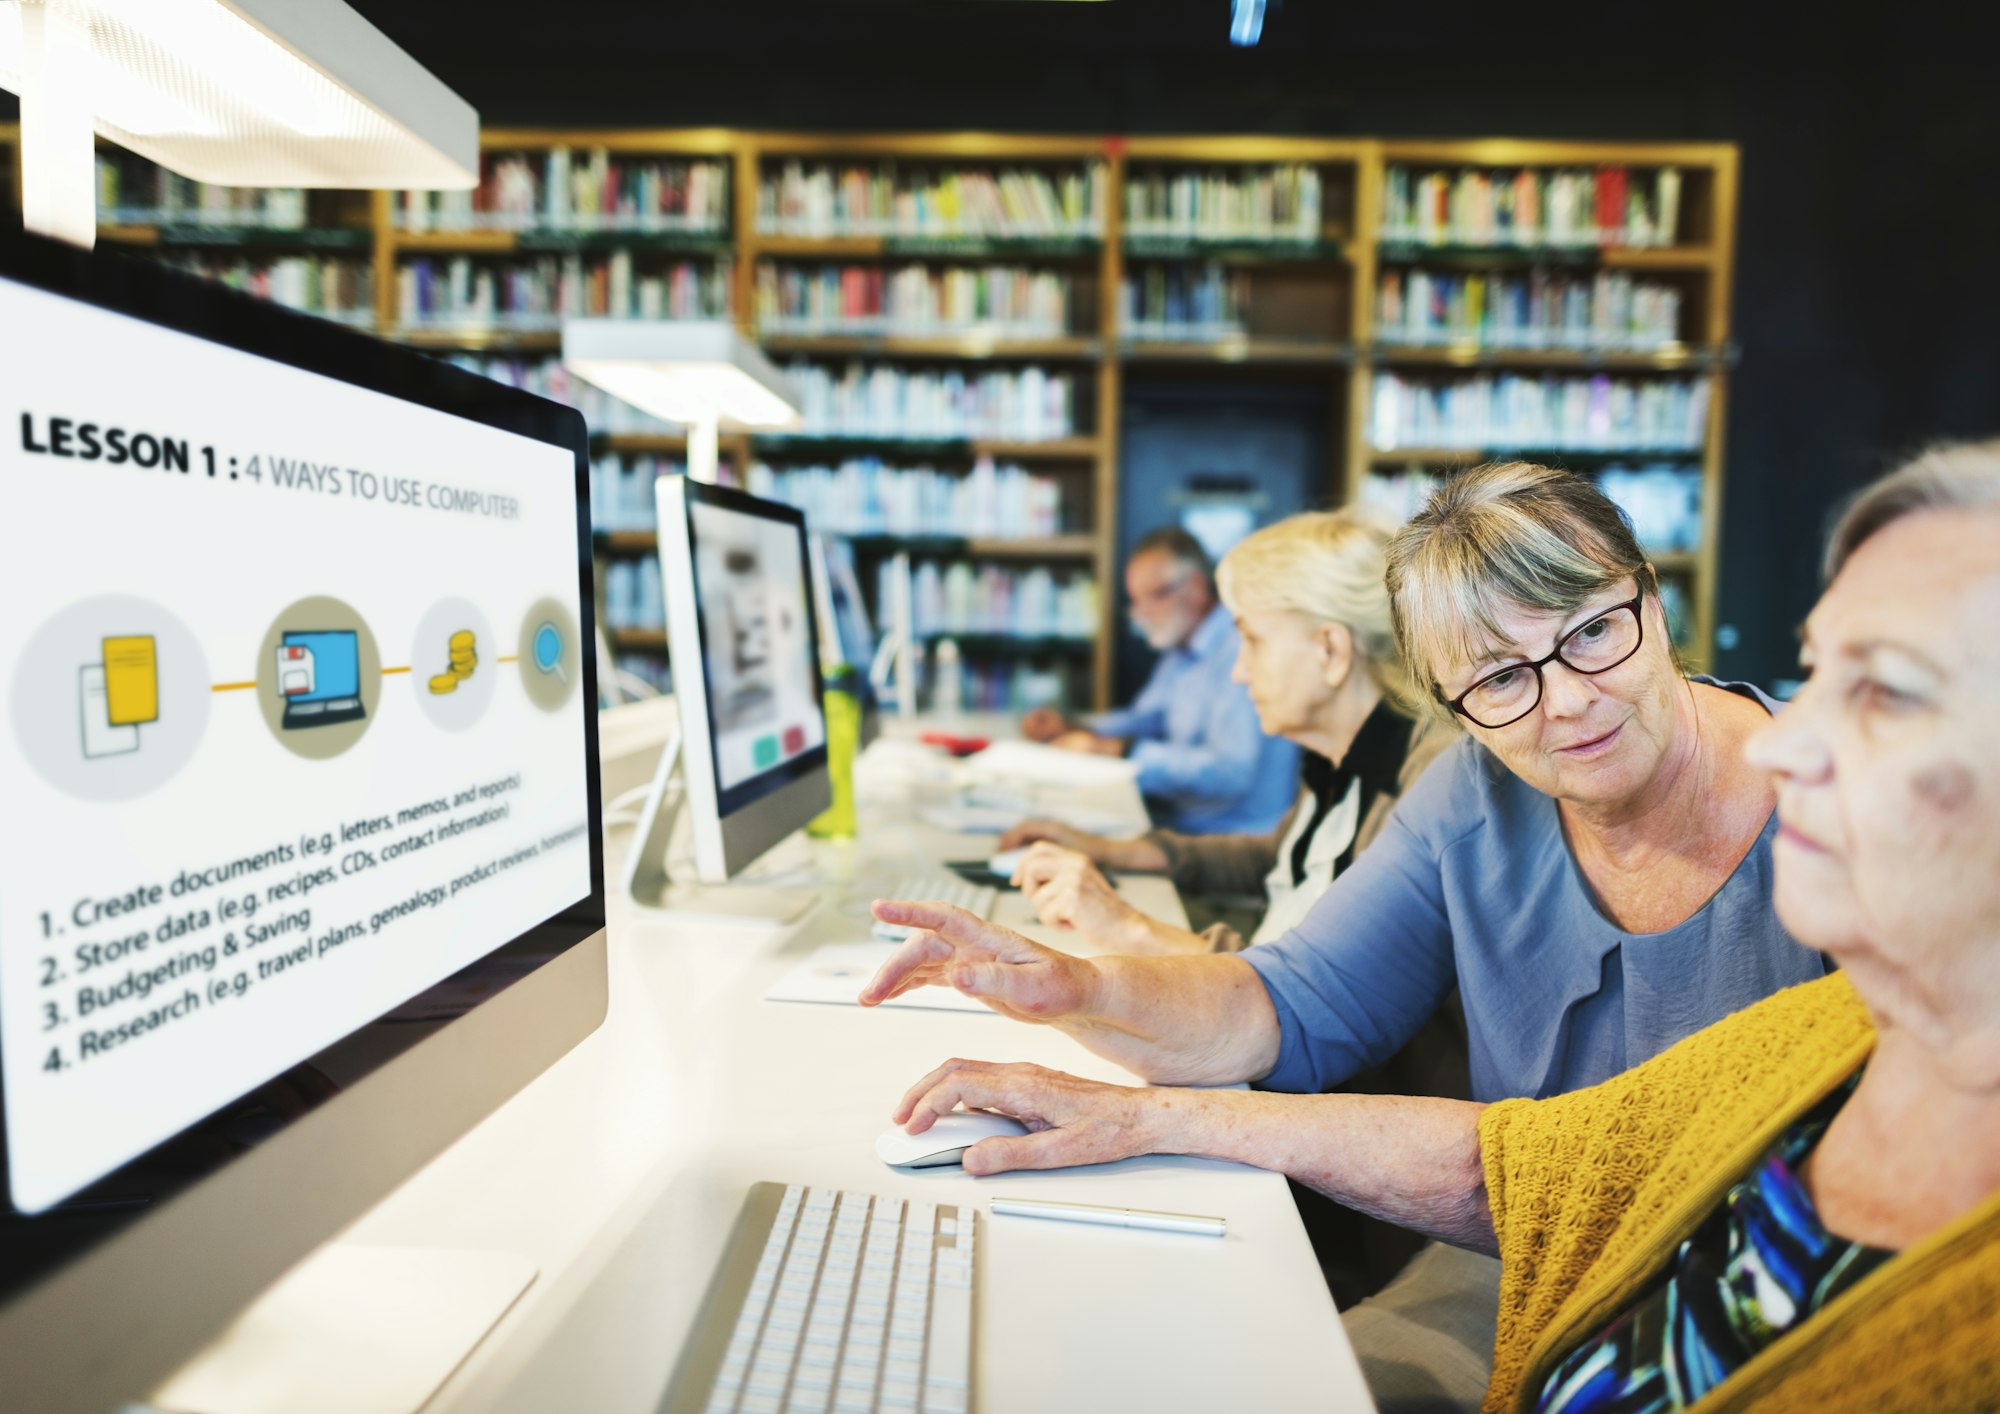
(1593, 1191)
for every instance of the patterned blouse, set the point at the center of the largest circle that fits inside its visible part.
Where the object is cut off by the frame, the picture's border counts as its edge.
(1760, 1264)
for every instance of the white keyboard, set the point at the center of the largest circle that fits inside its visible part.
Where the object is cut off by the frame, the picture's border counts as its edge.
(834, 1302)
(976, 899)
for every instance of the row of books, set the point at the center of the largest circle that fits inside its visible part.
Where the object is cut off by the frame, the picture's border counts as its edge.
(1662, 500)
(961, 598)
(621, 491)
(1007, 685)
(1532, 206)
(1536, 310)
(1010, 300)
(579, 189)
(546, 377)
(891, 199)
(876, 400)
(133, 191)
(1279, 203)
(340, 289)
(535, 294)
(1183, 302)
(633, 594)
(867, 496)
(1557, 413)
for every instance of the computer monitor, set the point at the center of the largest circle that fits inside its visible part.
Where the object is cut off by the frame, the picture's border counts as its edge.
(744, 643)
(259, 964)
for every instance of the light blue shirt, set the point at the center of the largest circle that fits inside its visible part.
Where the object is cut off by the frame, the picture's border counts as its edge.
(1205, 765)
(1470, 883)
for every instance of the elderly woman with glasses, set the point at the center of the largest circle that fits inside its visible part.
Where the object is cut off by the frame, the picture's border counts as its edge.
(1590, 866)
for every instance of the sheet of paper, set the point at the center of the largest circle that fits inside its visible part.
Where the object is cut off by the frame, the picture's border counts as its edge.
(837, 972)
(1027, 762)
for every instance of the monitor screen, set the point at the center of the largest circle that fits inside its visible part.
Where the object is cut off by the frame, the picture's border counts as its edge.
(299, 753)
(759, 650)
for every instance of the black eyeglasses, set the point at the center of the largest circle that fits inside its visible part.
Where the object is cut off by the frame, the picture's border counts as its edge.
(1502, 698)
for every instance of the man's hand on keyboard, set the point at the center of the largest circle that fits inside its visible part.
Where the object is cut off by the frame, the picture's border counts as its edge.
(1071, 1121)
(998, 966)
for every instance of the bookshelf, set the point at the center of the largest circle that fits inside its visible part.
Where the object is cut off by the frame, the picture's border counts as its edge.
(962, 310)
(1563, 301)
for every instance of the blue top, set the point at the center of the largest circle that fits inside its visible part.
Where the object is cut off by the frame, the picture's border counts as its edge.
(1470, 883)
(1205, 766)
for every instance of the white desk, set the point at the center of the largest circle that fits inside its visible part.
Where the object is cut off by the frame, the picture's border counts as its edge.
(620, 1172)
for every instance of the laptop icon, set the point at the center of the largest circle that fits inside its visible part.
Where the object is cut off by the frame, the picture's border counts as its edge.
(319, 677)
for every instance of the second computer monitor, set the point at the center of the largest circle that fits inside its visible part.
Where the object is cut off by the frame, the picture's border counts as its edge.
(746, 669)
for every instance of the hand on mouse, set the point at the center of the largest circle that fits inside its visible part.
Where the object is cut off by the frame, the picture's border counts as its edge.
(1068, 891)
(1070, 1121)
(996, 965)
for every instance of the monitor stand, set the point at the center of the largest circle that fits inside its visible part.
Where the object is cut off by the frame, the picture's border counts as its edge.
(352, 1329)
(651, 885)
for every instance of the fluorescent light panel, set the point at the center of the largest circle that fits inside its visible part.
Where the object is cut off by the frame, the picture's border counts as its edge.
(263, 93)
(686, 371)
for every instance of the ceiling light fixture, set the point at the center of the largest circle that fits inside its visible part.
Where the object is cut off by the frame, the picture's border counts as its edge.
(1246, 22)
(269, 93)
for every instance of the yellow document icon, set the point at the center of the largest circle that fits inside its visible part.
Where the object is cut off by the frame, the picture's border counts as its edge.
(131, 680)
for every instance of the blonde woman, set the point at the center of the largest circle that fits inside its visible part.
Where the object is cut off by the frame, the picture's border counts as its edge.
(1318, 656)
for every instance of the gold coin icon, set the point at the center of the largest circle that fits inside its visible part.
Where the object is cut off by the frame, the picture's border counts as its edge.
(445, 682)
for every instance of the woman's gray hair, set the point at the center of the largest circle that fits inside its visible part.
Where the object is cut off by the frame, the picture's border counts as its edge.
(1953, 476)
(1507, 535)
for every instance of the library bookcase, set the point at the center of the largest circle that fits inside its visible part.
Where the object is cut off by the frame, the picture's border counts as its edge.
(1462, 300)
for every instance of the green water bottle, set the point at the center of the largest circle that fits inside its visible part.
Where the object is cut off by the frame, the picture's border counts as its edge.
(843, 739)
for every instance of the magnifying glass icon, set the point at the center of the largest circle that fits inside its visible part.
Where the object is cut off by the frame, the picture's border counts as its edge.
(548, 652)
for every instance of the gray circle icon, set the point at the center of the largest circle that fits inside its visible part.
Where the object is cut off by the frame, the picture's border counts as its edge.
(319, 678)
(111, 698)
(454, 662)
(551, 662)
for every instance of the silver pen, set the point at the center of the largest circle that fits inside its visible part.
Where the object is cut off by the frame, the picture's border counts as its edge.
(1109, 1217)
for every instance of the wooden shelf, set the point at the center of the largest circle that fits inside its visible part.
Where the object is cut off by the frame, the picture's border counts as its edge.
(832, 444)
(1047, 547)
(640, 640)
(659, 443)
(1045, 249)
(479, 337)
(472, 241)
(1228, 250)
(353, 240)
(1472, 356)
(1396, 252)
(971, 346)
(628, 542)
(1409, 456)
(1244, 350)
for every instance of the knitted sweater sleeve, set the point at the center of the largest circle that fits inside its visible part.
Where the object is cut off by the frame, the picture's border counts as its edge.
(1585, 1187)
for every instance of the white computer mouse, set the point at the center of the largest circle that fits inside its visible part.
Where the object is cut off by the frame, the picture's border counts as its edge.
(1006, 862)
(944, 1141)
